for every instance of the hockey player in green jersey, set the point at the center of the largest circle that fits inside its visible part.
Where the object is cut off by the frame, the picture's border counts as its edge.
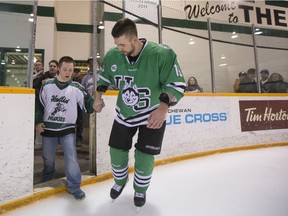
(149, 80)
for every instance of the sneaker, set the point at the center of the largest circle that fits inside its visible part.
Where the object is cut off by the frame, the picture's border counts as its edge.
(42, 180)
(78, 195)
(139, 199)
(116, 190)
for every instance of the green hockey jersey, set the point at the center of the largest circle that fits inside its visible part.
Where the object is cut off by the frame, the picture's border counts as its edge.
(140, 83)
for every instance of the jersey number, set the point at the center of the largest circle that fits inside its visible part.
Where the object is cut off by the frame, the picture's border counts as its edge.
(177, 70)
(144, 102)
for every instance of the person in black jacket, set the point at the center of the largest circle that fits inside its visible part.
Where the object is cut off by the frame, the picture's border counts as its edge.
(53, 70)
(248, 83)
(277, 84)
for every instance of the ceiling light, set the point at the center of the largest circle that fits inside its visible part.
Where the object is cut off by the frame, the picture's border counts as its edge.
(224, 64)
(18, 49)
(3, 62)
(223, 57)
(258, 31)
(191, 41)
(13, 62)
(31, 18)
(234, 35)
(101, 26)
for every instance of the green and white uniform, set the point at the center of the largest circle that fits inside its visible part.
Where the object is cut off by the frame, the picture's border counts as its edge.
(57, 106)
(140, 83)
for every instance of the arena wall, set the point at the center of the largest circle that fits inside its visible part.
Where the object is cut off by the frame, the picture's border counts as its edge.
(199, 123)
(205, 122)
(16, 142)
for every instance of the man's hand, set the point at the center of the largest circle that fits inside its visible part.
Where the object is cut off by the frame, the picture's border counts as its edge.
(40, 127)
(98, 105)
(158, 116)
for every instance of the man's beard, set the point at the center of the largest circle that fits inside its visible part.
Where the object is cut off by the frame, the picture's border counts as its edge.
(131, 52)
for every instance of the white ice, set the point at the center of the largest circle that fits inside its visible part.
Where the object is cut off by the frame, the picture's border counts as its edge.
(243, 183)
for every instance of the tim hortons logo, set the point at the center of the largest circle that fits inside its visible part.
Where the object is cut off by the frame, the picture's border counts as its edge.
(263, 115)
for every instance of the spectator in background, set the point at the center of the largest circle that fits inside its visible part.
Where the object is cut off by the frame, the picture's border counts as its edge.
(241, 75)
(38, 76)
(88, 84)
(52, 72)
(264, 83)
(76, 75)
(277, 84)
(192, 85)
(79, 122)
(248, 83)
(87, 80)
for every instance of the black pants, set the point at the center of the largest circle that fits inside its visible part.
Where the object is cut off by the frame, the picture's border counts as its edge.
(149, 140)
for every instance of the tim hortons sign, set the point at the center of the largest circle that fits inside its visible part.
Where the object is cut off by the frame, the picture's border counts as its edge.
(263, 115)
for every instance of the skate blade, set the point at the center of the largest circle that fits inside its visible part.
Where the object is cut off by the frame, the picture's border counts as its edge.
(138, 209)
(112, 200)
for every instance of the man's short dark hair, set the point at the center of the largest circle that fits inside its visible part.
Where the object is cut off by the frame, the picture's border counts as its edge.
(242, 73)
(251, 71)
(124, 26)
(265, 71)
(54, 61)
(77, 70)
(39, 62)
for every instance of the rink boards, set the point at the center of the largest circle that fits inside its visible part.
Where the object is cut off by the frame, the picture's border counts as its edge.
(199, 123)
(16, 142)
(206, 122)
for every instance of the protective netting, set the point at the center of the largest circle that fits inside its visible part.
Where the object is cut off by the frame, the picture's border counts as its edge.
(177, 16)
(187, 31)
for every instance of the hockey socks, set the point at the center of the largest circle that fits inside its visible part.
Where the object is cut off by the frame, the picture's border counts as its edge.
(144, 164)
(119, 162)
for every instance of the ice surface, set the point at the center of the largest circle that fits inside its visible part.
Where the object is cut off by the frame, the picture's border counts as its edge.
(243, 183)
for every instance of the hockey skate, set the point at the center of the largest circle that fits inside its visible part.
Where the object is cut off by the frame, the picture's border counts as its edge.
(139, 200)
(116, 190)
